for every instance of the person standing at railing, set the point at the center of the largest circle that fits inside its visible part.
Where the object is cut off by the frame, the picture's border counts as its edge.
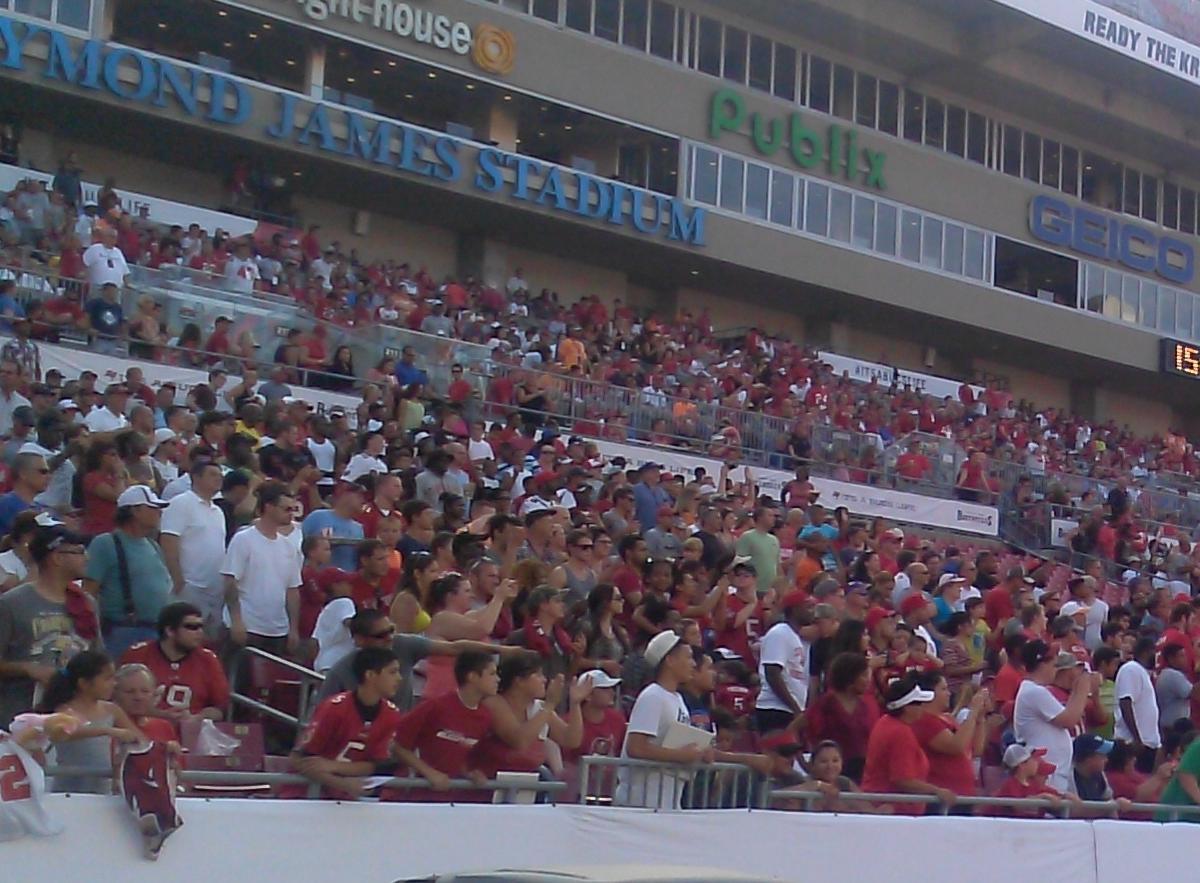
(896, 763)
(1137, 705)
(1040, 719)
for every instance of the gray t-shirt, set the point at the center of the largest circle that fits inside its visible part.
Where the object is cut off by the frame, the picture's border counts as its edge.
(32, 629)
(409, 649)
(1174, 694)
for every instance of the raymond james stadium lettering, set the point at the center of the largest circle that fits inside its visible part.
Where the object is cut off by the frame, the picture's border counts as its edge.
(836, 148)
(133, 77)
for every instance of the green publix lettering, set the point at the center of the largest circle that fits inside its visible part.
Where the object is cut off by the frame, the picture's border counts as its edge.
(838, 151)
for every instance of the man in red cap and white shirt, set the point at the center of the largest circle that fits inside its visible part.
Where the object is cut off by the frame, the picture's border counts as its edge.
(783, 667)
(917, 611)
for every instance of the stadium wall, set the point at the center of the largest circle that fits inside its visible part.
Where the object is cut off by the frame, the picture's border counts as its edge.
(300, 842)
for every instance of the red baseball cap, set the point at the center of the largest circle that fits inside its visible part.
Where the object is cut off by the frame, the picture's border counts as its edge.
(330, 576)
(875, 616)
(795, 598)
(912, 603)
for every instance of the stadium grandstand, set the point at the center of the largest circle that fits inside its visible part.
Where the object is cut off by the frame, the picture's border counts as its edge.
(552, 425)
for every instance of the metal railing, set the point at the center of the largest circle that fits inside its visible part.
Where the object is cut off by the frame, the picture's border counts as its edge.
(309, 680)
(641, 783)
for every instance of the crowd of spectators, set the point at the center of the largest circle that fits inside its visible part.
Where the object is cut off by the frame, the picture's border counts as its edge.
(486, 594)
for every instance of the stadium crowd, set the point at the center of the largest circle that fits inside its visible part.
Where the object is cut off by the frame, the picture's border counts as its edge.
(485, 594)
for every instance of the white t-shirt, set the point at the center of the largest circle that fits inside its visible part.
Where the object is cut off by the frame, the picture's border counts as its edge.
(653, 713)
(264, 569)
(1035, 708)
(362, 464)
(101, 419)
(480, 450)
(325, 455)
(240, 275)
(200, 527)
(104, 265)
(332, 633)
(1097, 616)
(783, 647)
(1133, 682)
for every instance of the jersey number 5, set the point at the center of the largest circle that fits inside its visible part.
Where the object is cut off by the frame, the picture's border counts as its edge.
(14, 783)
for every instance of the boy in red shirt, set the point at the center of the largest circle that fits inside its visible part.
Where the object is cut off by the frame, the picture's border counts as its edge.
(435, 738)
(1027, 778)
(351, 734)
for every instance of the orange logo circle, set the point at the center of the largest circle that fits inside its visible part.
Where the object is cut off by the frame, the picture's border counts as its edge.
(495, 49)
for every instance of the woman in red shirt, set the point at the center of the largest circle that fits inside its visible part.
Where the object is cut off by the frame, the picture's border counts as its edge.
(104, 477)
(950, 746)
(896, 763)
(526, 732)
(847, 712)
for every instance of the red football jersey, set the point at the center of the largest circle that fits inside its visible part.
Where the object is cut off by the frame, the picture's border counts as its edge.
(195, 682)
(736, 698)
(443, 731)
(604, 738)
(380, 597)
(337, 731)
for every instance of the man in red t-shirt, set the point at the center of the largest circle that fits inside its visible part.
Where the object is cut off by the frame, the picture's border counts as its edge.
(375, 583)
(745, 614)
(1000, 602)
(435, 738)
(386, 500)
(351, 734)
(191, 681)
(460, 388)
(912, 464)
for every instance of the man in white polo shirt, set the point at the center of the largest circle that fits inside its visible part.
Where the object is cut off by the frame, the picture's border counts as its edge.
(104, 261)
(110, 417)
(1137, 705)
(193, 542)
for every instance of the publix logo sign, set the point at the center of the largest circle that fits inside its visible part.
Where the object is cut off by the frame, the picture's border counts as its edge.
(490, 48)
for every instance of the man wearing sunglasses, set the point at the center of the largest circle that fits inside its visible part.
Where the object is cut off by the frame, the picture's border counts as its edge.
(191, 681)
(31, 476)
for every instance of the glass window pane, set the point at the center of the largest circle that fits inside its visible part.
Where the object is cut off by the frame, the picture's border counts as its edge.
(1129, 299)
(579, 15)
(709, 56)
(1196, 324)
(662, 30)
(910, 236)
(1187, 211)
(889, 107)
(547, 10)
(1170, 210)
(37, 8)
(1069, 181)
(816, 209)
(732, 172)
(1148, 314)
(1093, 287)
(785, 72)
(758, 180)
(973, 255)
(977, 138)
(885, 228)
(74, 13)
(782, 198)
(1166, 310)
(820, 83)
(956, 131)
(608, 20)
(839, 216)
(935, 123)
(843, 92)
(634, 24)
(1133, 192)
(760, 63)
(1150, 198)
(931, 243)
(914, 115)
(705, 188)
(1051, 158)
(864, 223)
(1186, 308)
(864, 99)
(1012, 151)
(735, 55)
(953, 250)
(1032, 170)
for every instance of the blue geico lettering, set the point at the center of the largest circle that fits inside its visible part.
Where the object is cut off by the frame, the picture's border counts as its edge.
(1107, 237)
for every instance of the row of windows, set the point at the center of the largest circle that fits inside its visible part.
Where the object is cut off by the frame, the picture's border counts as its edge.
(68, 13)
(1139, 301)
(816, 208)
(711, 47)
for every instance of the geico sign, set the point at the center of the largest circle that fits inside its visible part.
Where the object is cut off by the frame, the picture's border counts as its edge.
(401, 19)
(1100, 235)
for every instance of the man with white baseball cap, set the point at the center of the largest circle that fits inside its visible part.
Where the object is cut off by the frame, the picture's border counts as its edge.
(603, 729)
(658, 709)
(127, 573)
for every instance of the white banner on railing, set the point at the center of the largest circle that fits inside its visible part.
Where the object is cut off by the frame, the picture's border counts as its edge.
(152, 208)
(860, 499)
(288, 841)
(865, 372)
(111, 369)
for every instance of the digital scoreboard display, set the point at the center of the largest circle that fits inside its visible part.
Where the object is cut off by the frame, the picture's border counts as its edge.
(1181, 358)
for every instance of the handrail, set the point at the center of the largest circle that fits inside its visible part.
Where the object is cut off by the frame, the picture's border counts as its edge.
(307, 674)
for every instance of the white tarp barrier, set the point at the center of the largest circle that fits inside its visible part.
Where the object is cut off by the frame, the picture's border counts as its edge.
(305, 842)
(859, 499)
(1128, 27)
(160, 211)
(865, 372)
(111, 369)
